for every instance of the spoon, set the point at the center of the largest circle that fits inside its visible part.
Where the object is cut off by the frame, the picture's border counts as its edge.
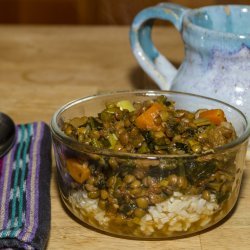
(7, 133)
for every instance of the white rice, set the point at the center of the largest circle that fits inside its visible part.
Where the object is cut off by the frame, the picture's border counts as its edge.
(179, 212)
(175, 214)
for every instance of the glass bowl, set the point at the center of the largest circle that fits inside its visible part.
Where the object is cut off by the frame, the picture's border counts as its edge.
(145, 195)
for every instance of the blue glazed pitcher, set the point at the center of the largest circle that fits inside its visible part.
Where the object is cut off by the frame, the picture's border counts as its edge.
(217, 51)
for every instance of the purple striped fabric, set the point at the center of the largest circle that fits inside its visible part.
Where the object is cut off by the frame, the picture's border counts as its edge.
(5, 186)
(1, 165)
(24, 171)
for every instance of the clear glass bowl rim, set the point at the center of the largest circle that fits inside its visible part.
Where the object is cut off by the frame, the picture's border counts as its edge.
(75, 145)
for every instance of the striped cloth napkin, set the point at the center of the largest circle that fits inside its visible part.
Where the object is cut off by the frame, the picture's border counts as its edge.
(25, 189)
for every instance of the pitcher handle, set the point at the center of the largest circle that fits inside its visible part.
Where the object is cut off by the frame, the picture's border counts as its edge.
(150, 59)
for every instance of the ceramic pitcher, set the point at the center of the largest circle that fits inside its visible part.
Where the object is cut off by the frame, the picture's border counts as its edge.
(217, 51)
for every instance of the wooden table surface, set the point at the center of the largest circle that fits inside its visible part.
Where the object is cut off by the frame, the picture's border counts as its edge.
(43, 67)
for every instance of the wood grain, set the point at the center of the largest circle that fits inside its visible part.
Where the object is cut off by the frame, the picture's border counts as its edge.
(43, 67)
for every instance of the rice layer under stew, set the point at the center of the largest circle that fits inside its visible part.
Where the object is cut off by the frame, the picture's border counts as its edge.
(176, 214)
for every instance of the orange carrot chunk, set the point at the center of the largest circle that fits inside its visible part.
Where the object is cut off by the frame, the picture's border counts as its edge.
(146, 119)
(215, 116)
(79, 172)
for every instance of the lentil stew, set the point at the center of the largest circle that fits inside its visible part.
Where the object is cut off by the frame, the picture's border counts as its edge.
(146, 196)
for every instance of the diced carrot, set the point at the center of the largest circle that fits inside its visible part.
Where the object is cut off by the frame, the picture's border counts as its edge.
(79, 172)
(215, 116)
(146, 119)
